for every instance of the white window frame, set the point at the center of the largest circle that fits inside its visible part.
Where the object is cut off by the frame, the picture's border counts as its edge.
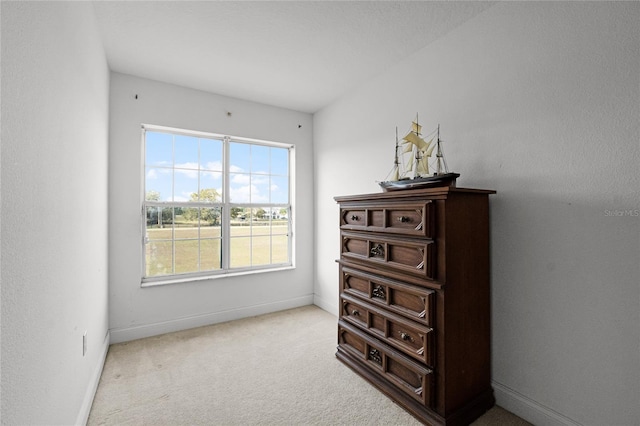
(226, 205)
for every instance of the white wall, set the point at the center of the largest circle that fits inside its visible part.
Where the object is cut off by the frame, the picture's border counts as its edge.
(137, 312)
(539, 101)
(55, 88)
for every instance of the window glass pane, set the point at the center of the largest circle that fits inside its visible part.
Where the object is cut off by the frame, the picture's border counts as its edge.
(261, 250)
(241, 227)
(261, 221)
(280, 223)
(210, 222)
(279, 190)
(259, 159)
(212, 180)
(188, 215)
(158, 149)
(187, 256)
(160, 221)
(211, 154)
(186, 152)
(158, 184)
(240, 252)
(186, 185)
(280, 161)
(210, 255)
(239, 157)
(152, 219)
(159, 258)
(186, 224)
(259, 189)
(240, 188)
(280, 249)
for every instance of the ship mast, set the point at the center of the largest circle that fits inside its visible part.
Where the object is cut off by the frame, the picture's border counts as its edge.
(416, 150)
(441, 162)
(396, 163)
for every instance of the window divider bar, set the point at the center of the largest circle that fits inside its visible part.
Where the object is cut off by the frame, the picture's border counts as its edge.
(226, 210)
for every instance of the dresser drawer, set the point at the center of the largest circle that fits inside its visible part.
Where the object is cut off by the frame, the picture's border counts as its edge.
(413, 339)
(408, 376)
(410, 301)
(406, 219)
(415, 257)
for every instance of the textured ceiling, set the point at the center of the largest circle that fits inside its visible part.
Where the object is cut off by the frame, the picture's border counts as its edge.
(301, 55)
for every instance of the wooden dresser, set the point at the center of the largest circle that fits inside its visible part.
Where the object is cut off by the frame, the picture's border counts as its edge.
(414, 299)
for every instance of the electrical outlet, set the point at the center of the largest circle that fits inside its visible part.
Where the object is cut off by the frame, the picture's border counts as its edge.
(84, 343)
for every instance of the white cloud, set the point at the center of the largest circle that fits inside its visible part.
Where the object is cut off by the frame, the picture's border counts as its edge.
(212, 175)
(240, 179)
(259, 179)
(213, 165)
(248, 193)
(240, 194)
(189, 170)
(187, 165)
(154, 173)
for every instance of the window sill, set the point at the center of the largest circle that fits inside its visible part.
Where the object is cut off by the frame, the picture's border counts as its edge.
(181, 280)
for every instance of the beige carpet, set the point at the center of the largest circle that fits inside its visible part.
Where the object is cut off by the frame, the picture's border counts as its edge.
(276, 369)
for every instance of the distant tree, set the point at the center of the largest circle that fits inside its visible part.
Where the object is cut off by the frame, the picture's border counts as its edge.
(152, 196)
(260, 213)
(236, 211)
(209, 195)
(211, 215)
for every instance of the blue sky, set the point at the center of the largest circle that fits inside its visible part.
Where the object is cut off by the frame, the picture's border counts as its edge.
(258, 174)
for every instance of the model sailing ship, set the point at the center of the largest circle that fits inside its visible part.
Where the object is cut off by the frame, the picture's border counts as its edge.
(415, 171)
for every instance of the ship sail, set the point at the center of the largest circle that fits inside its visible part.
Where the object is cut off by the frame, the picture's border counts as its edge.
(416, 140)
(423, 166)
(409, 167)
(395, 174)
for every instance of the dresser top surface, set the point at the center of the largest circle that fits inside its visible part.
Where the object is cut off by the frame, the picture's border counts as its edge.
(439, 192)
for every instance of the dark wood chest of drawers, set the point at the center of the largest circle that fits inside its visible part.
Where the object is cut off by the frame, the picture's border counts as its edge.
(414, 299)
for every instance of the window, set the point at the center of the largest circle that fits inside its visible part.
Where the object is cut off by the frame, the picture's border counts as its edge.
(214, 204)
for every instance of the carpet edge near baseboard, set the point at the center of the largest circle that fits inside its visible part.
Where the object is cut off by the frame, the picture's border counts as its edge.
(126, 334)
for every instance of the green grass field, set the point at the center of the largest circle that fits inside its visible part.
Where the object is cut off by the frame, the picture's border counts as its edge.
(258, 244)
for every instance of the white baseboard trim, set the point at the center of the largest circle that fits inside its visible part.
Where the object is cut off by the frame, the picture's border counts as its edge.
(528, 409)
(325, 305)
(85, 409)
(119, 335)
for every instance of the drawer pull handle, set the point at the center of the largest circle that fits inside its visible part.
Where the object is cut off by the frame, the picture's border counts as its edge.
(355, 313)
(404, 219)
(377, 250)
(406, 336)
(354, 217)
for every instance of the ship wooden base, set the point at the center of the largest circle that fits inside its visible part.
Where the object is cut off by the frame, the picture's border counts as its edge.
(448, 179)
